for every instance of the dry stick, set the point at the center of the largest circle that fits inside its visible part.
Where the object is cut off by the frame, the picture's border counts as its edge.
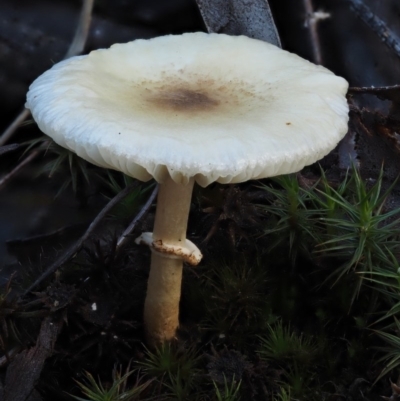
(82, 31)
(237, 17)
(75, 48)
(312, 24)
(9, 148)
(376, 24)
(24, 162)
(21, 117)
(25, 369)
(373, 89)
(123, 238)
(77, 246)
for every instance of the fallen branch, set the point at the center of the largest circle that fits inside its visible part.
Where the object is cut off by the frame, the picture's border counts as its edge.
(376, 24)
(26, 367)
(252, 18)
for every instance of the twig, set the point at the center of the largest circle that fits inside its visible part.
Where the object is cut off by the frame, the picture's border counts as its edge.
(9, 148)
(81, 33)
(312, 19)
(24, 162)
(391, 93)
(123, 238)
(22, 116)
(76, 47)
(77, 246)
(376, 24)
(373, 89)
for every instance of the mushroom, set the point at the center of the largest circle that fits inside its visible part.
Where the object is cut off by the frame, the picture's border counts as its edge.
(189, 108)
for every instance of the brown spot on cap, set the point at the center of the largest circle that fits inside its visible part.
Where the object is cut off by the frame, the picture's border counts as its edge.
(183, 99)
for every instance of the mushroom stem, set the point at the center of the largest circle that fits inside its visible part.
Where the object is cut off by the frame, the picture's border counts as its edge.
(161, 309)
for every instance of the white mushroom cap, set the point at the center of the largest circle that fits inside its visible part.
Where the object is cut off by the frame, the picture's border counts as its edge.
(209, 106)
